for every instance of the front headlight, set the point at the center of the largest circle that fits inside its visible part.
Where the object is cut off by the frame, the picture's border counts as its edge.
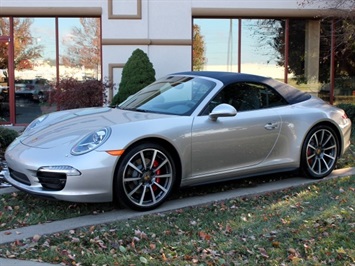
(91, 141)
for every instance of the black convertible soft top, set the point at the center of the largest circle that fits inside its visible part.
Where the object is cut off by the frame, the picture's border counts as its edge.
(291, 94)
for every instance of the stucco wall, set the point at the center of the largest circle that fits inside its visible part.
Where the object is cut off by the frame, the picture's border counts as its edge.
(160, 28)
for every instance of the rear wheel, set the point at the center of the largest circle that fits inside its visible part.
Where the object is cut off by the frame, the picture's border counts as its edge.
(319, 152)
(145, 177)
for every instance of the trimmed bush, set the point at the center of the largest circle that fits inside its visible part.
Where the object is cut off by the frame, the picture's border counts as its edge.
(137, 73)
(6, 137)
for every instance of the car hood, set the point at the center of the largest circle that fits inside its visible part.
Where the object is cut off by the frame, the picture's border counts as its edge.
(68, 127)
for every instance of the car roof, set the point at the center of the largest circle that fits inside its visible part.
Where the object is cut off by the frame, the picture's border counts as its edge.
(291, 94)
(225, 77)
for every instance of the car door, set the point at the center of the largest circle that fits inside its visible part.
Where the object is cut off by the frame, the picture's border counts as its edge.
(232, 143)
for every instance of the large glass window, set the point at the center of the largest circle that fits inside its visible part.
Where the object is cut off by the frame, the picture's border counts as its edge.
(38, 56)
(4, 74)
(220, 43)
(4, 81)
(262, 41)
(79, 48)
(344, 60)
(35, 65)
(296, 51)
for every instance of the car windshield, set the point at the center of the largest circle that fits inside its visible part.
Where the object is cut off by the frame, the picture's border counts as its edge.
(177, 95)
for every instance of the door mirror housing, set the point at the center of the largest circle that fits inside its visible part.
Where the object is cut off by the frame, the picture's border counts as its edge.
(222, 110)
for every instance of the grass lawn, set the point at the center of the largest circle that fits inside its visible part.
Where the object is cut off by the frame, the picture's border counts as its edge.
(310, 225)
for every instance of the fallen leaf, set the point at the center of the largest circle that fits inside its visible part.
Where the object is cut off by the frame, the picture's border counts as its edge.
(122, 249)
(204, 236)
(276, 244)
(341, 251)
(143, 260)
(263, 253)
(292, 251)
(163, 257)
(36, 238)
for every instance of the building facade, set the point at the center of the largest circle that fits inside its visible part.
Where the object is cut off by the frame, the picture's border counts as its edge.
(44, 41)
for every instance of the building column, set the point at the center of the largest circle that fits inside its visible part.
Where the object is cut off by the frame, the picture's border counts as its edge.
(312, 50)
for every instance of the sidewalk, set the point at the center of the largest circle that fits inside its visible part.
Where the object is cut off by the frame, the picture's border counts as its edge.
(9, 236)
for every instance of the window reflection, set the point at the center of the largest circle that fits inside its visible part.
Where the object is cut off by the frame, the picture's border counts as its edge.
(35, 65)
(79, 48)
(4, 60)
(4, 81)
(220, 43)
(4, 26)
(35, 60)
(262, 47)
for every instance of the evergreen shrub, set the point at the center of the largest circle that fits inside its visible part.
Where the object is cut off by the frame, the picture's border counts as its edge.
(137, 73)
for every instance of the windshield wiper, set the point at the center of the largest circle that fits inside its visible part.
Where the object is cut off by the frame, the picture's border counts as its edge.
(135, 110)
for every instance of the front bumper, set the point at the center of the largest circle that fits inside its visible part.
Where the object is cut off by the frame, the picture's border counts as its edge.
(92, 184)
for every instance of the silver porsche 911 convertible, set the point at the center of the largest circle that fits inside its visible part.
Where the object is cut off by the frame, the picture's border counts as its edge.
(184, 129)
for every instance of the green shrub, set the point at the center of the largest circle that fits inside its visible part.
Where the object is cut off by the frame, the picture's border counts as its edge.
(137, 73)
(6, 137)
(349, 110)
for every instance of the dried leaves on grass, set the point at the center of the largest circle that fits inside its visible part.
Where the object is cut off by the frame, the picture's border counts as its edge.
(313, 225)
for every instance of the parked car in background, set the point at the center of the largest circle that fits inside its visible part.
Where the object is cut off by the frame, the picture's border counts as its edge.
(34, 89)
(344, 86)
(184, 129)
(4, 93)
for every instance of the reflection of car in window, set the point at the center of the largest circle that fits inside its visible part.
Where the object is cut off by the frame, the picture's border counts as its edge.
(4, 93)
(344, 86)
(34, 89)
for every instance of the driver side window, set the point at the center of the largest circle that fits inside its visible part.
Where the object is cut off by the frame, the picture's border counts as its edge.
(245, 96)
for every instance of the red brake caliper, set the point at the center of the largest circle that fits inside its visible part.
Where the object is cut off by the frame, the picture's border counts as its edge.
(309, 153)
(155, 164)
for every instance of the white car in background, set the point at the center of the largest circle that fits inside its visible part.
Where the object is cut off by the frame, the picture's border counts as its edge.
(34, 89)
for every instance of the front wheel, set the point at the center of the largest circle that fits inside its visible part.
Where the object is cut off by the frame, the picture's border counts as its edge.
(145, 177)
(319, 152)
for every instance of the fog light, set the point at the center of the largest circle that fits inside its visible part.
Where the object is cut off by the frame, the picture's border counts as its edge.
(64, 169)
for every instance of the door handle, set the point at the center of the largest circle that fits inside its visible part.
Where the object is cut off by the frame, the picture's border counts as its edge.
(271, 125)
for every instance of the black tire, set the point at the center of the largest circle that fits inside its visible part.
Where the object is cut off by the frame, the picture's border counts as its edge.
(145, 177)
(319, 152)
(41, 97)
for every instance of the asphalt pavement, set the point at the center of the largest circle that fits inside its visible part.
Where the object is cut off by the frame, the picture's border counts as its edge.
(9, 236)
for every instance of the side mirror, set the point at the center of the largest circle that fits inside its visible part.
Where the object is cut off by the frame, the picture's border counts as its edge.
(222, 110)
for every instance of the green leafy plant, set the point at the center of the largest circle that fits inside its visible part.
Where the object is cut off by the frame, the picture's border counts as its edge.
(349, 110)
(137, 73)
(7, 135)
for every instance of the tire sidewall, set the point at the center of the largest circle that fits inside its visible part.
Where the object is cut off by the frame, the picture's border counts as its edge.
(304, 165)
(119, 190)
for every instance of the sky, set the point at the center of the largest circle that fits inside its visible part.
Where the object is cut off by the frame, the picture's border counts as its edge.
(221, 51)
(43, 30)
